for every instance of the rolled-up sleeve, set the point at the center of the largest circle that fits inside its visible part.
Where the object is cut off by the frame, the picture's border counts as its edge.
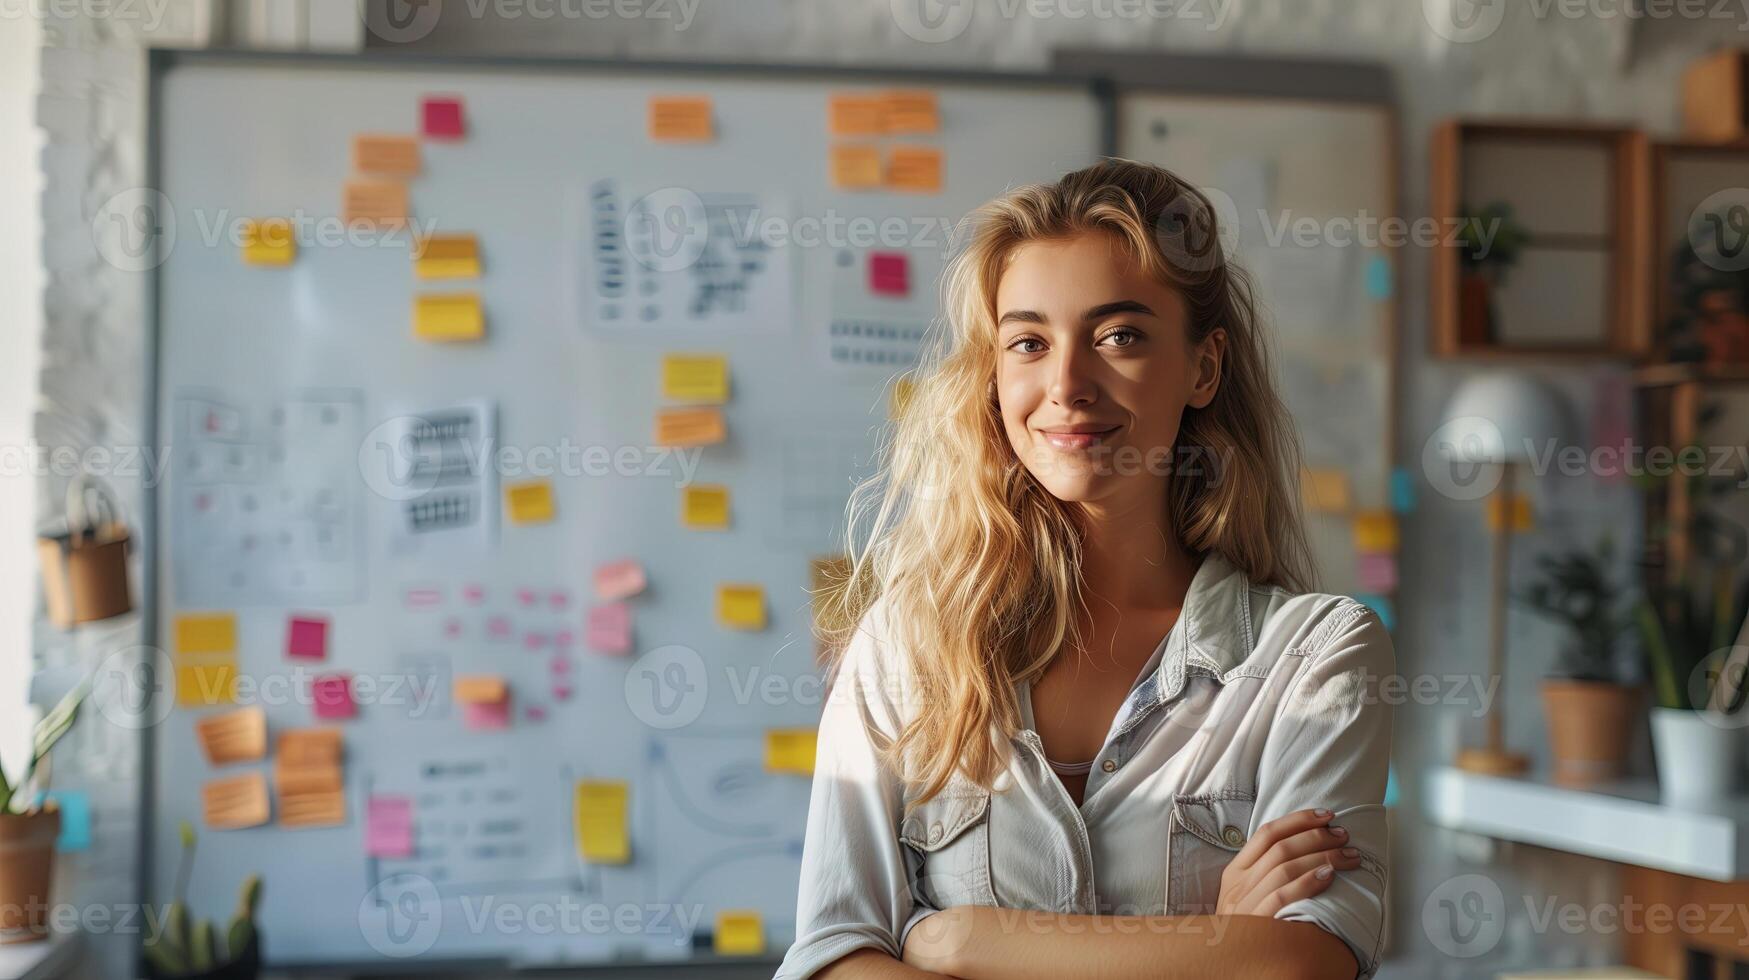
(855, 890)
(1330, 746)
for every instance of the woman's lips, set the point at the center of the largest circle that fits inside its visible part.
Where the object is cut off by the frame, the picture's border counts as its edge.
(1077, 441)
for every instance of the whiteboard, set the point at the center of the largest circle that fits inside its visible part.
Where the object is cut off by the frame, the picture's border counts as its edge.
(274, 387)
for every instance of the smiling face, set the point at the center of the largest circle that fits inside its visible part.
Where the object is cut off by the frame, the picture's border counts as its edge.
(1094, 368)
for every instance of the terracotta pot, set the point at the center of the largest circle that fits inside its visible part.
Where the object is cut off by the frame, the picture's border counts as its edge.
(27, 868)
(1475, 309)
(1590, 726)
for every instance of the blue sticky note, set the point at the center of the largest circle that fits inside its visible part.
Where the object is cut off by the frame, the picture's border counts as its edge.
(1381, 605)
(1378, 277)
(1402, 491)
(75, 821)
(1391, 786)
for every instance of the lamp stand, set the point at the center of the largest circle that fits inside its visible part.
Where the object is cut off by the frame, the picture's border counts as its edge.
(1494, 759)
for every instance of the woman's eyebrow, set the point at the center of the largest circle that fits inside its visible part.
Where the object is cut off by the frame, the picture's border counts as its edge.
(1098, 312)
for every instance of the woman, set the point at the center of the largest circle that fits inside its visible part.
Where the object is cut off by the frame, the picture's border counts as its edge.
(1087, 723)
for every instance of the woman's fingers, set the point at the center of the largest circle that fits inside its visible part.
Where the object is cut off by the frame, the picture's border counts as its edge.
(1313, 841)
(1278, 830)
(1288, 872)
(1305, 886)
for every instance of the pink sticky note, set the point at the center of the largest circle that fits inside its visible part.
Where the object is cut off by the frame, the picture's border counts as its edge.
(558, 599)
(424, 598)
(474, 593)
(452, 627)
(619, 579)
(534, 641)
(889, 274)
(561, 692)
(306, 638)
(487, 715)
(560, 666)
(534, 712)
(609, 628)
(527, 597)
(389, 827)
(443, 118)
(333, 696)
(498, 628)
(1377, 571)
(564, 638)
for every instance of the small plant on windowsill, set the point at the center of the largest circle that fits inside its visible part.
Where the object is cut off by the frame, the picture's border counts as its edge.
(1489, 243)
(186, 950)
(29, 825)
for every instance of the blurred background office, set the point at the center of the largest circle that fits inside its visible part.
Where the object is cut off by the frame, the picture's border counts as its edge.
(676, 257)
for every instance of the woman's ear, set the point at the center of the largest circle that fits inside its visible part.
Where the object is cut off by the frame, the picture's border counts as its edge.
(1207, 355)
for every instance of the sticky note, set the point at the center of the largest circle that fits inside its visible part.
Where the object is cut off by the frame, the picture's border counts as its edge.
(324, 808)
(332, 694)
(1522, 518)
(1380, 605)
(385, 156)
(448, 317)
(601, 821)
(235, 736)
(790, 750)
(620, 579)
(235, 802)
(206, 633)
(853, 115)
(1375, 531)
(206, 683)
(530, 502)
(704, 506)
(690, 427)
(447, 257)
(909, 111)
(388, 827)
(696, 378)
(739, 933)
(75, 808)
(1402, 490)
(914, 168)
(309, 748)
(855, 166)
(902, 390)
(741, 606)
(1324, 490)
(381, 203)
(889, 274)
(441, 117)
(1378, 278)
(608, 628)
(306, 637)
(1377, 571)
(680, 119)
(486, 716)
(269, 241)
(480, 689)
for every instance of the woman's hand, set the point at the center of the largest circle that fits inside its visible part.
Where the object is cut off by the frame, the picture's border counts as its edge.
(1290, 858)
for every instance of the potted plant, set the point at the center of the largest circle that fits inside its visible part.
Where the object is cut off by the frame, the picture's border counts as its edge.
(1590, 712)
(29, 825)
(186, 950)
(1697, 679)
(1490, 242)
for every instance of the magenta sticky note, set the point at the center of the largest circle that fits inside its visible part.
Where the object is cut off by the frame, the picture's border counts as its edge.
(534, 712)
(443, 118)
(333, 697)
(527, 597)
(562, 692)
(388, 831)
(487, 716)
(498, 628)
(889, 274)
(1377, 571)
(474, 593)
(609, 628)
(560, 665)
(306, 638)
(558, 599)
(620, 579)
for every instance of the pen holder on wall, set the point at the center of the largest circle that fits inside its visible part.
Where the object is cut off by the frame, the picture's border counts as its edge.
(85, 566)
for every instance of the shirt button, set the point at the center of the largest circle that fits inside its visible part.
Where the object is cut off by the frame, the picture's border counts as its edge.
(1233, 836)
(1109, 766)
(935, 833)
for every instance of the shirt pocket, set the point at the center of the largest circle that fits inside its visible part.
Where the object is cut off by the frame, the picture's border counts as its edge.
(951, 834)
(1206, 832)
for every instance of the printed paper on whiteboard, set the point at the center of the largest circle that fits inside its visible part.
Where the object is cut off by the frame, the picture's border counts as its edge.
(434, 468)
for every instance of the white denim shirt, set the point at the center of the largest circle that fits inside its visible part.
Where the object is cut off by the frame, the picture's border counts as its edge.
(1256, 704)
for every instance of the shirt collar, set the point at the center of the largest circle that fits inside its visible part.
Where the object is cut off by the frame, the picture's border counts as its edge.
(1214, 631)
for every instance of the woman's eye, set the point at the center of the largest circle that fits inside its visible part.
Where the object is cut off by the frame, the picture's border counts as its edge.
(1122, 337)
(1027, 345)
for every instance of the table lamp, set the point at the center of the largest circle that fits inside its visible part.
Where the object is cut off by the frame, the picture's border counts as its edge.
(1500, 420)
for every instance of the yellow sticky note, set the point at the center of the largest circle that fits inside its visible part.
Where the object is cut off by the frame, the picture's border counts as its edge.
(791, 750)
(1522, 519)
(206, 682)
(741, 606)
(909, 111)
(854, 115)
(530, 502)
(855, 167)
(914, 168)
(206, 633)
(269, 241)
(1324, 490)
(448, 317)
(705, 506)
(1375, 531)
(447, 257)
(393, 156)
(681, 119)
(690, 427)
(903, 388)
(739, 933)
(696, 378)
(601, 821)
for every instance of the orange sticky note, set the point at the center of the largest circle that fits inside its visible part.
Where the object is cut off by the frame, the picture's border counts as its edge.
(854, 115)
(690, 427)
(741, 606)
(855, 167)
(300, 748)
(530, 502)
(909, 111)
(385, 156)
(1324, 490)
(705, 506)
(681, 119)
(1375, 531)
(382, 203)
(235, 802)
(447, 257)
(448, 317)
(1522, 519)
(480, 689)
(914, 168)
(269, 241)
(235, 736)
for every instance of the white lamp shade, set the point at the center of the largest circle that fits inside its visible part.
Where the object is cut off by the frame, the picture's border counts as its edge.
(1502, 417)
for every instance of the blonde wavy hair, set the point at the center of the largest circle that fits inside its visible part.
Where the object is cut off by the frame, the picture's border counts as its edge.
(977, 563)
